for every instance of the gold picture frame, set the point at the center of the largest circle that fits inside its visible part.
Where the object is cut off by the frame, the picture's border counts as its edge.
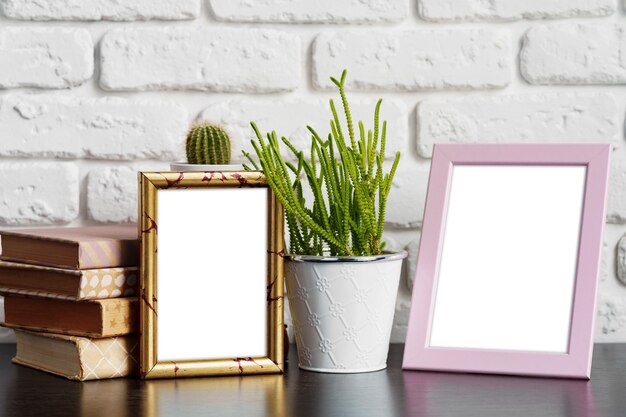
(150, 183)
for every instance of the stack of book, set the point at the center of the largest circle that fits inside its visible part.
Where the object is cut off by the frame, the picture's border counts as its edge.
(70, 296)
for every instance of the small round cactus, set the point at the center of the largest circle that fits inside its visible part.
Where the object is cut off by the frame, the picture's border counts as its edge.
(208, 144)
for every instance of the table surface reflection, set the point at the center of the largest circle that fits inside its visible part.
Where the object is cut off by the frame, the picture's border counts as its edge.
(26, 392)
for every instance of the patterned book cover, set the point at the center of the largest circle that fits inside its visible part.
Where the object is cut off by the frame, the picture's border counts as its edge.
(112, 357)
(89, 318)
(73, 247)
(90, 284)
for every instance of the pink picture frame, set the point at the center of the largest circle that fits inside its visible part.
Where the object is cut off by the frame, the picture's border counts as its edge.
(576, 361)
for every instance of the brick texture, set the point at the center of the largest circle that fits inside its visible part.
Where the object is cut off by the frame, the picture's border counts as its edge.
(306, 11)
(112, 192)
(574, 53)
(405, 207)
(114, 10)
(94, 128)
(616, 209)
(38, 193)
(45, 57)
(526, 118)
(235, 60)
(414, 59)
(503, 10)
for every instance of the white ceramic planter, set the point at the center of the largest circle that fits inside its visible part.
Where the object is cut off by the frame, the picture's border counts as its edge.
(184, 167)
(342, 310)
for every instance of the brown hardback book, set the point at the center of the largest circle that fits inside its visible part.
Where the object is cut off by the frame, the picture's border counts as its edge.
(95, 318)
(68, 284)
(78, 358)
(73, 247)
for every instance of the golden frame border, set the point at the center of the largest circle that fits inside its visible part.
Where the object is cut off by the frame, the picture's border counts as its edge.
(150, 367)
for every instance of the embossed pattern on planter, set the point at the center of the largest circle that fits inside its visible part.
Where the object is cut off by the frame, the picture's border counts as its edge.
(342, 313)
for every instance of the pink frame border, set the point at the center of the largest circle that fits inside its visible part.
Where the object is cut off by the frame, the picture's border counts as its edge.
(577, 362)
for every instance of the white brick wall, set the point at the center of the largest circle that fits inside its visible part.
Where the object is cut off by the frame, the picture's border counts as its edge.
(112, 195)
(306, 11)
(616, 210)
(45, 57)
(241, 60)
(88, 127)
(527, 118)
(446, 71)
(414, 60)
(405, 206)
(101, 9)
(574, 53)
(112, 192)
(499, 10)
(38, 192)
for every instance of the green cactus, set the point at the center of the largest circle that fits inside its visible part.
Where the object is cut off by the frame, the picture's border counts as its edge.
(208, 144)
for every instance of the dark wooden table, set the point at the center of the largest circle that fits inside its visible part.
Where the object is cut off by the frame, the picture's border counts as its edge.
(26, 392)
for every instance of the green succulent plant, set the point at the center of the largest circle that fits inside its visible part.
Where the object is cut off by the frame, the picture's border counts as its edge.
(346, 176)
(207, 144)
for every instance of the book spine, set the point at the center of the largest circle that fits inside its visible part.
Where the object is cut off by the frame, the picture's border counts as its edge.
(107, 283)
(114, 357)
(116, 317)
(107, 253)
(99, 254)
(120, 317)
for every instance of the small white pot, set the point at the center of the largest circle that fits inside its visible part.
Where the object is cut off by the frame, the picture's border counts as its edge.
(184, 167)
(342, 310)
